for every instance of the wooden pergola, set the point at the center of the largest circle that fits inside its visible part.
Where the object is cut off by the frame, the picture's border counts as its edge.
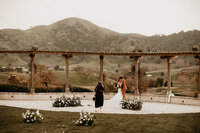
(136, 55)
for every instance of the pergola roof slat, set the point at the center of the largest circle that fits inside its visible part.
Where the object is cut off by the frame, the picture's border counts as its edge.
(185, 53)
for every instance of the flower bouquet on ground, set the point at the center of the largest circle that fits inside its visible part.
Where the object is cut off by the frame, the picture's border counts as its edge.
(67, 101)
(32, 116)
(132, 104)
(86, 119)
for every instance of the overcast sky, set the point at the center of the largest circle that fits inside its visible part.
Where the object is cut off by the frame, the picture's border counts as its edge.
(147, 17)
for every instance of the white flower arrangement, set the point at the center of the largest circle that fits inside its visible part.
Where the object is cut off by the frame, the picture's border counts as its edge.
(67, 101)
(86, 119)
(32, 116)
(132, 104)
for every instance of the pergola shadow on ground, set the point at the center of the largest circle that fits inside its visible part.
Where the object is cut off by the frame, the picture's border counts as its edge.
(134, 55)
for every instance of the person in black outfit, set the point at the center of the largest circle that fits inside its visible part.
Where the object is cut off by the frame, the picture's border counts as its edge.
(99, 98)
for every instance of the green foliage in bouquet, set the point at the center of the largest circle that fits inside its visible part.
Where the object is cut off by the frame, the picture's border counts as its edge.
(32, 116)
(86, 119)
(132, 104)
(63, 101)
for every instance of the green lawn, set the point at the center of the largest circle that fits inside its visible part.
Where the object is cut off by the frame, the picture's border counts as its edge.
(4, 76)
(11, 122)
(188, 91)
(76, 79)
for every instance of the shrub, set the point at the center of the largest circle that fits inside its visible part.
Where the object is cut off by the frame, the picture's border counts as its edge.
(132, 104)
(43, 77)
(152, 82)
(79, 89)
(67, 101)
(86, 119)
(165, 84)
(143, 82)
(160, 81)
(110, 86)
(49, 89)
(32, 116)
(17, 79)
(12, 88)
(130, 83)
(16, 88)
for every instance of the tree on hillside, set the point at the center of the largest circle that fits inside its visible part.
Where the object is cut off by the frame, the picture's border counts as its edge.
(162, 74)
(43, 76)
(87, 72)
(182, 79)
(17, 79)
(160, 82)
(142, 79)
(143, 82)
(56, 68)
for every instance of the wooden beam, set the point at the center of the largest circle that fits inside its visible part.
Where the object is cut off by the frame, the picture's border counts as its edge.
(32, 85)
(101, 69)
(183, 53)
(169, 57)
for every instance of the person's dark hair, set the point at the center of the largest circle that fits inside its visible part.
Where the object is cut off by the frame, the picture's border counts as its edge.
(99, 84)
(99, 87)
(120, 78)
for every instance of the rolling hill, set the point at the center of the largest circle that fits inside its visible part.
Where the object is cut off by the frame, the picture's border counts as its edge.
(75, 34)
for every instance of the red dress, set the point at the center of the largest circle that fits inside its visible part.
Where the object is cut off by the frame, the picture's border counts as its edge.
(124, 88)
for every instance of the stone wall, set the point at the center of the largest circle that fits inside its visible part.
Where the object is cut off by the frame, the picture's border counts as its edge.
(107, 96)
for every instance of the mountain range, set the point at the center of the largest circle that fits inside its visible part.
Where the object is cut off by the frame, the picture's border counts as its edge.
(75, 34)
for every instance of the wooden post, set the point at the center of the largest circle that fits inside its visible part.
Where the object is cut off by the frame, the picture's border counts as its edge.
(199, 80)
(67, 73)
(168, 76)
(101, 69)
(136, 75)
(66, 56)
(32, 85)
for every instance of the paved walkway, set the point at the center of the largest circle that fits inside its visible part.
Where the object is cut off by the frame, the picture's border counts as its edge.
(109, 107)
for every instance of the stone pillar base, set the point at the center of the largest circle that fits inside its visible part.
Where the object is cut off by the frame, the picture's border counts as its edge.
(67, 90)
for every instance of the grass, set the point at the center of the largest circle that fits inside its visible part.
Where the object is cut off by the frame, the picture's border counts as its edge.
(11, 121)
(11, 59)
(188, 91)
(4, 76)
(76, 79)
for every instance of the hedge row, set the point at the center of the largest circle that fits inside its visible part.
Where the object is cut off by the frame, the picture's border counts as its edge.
(79, 89)
(14, 88)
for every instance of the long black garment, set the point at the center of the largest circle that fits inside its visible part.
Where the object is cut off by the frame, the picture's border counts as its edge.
(99, 96)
